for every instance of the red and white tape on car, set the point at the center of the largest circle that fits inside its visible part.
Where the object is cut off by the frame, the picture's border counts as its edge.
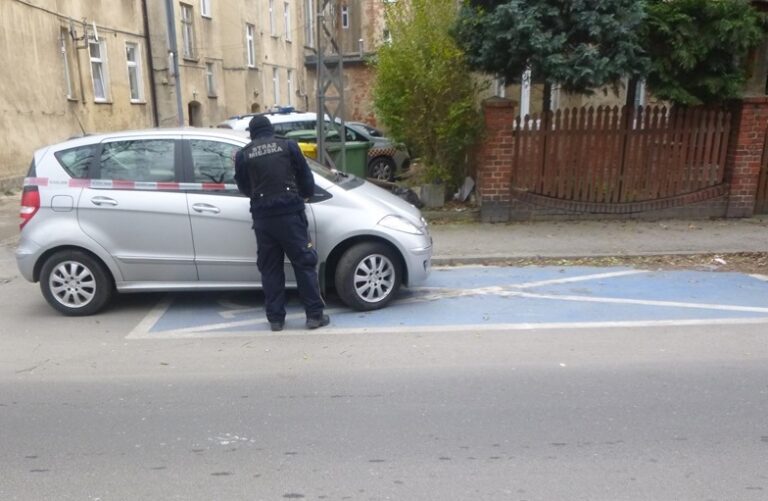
(119, 184)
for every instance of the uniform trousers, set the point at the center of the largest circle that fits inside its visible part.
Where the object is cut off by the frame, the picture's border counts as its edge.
(277, 237)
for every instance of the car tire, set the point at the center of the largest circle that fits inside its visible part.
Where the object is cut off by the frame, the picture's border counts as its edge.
(368, 276)
(382, 168)
(75, 283)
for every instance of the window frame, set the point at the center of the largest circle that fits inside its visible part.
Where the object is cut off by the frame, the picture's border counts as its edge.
(250, 45)
(309, 26)
(101, 61)
(276, 84)
(272, 18)
(287, 20)
(188, 31)
(136, 65)
(205, 8)
(345, 17)
(290, 83)
(210, 78)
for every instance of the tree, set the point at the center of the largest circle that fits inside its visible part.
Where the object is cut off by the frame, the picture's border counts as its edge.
(424, 92)
(579, 44)
(698, 48)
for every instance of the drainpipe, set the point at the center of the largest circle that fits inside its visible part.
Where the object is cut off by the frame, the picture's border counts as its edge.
(150, 64)
(174, 53)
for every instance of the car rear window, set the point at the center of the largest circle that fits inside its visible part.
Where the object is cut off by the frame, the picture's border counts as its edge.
(76, 160)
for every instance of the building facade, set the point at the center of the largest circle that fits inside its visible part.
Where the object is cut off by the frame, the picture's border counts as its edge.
(73, 67)
(235, 57)
(69, 67)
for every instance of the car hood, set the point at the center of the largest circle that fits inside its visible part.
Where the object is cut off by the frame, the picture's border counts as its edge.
(387, 203)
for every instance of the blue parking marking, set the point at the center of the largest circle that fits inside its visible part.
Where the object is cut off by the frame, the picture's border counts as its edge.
(479, 297)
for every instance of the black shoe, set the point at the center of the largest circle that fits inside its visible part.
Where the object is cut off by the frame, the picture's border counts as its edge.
(321, 321)
(277, 326)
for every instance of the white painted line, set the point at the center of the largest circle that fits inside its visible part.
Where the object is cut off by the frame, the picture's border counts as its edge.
(642, 302)
(261, 320)
(434, 293)
(419, 329)
(141, 331)
(582, 278)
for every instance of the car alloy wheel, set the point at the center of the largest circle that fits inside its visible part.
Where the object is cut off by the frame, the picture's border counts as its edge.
(75, 283)
(368, 276)
(382, 168)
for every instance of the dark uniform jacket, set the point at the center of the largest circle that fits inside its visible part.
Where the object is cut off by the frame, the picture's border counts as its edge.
(274, 174)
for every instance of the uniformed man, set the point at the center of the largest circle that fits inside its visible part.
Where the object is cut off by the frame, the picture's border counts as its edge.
(276, 177)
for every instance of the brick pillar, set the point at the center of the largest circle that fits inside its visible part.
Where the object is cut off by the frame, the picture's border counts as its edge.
(494, 165)
(745, 155)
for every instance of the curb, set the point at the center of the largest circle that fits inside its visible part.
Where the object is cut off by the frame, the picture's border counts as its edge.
(505, 260)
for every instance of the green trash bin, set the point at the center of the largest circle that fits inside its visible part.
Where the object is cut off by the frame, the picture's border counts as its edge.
(356, 151)
(356, 156)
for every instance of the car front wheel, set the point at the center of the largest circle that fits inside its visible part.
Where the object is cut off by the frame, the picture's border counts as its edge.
(368, 276)
(75, 283)
(382, 168)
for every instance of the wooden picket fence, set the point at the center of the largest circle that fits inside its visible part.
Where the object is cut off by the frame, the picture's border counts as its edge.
(618, 155)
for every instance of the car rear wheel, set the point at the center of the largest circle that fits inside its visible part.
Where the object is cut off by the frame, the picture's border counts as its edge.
(368, 276)
(75, 283)
(382, 168)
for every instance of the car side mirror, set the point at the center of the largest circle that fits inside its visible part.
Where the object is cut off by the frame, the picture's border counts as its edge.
(319, 196)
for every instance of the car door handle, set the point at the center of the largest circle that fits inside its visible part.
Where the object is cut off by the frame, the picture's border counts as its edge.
(104, 201)
(205, 208)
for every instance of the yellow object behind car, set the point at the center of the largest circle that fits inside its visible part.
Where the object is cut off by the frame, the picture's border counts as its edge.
(309, 150)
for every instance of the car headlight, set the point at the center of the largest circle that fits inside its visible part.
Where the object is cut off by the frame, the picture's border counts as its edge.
(398, 223)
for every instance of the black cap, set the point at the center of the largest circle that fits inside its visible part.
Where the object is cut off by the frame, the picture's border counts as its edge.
(259, 126)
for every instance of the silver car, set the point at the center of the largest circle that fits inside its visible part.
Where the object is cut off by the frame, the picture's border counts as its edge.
(158, 210)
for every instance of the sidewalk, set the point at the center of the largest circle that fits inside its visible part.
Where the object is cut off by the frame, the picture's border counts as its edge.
(478, 243)
(472, 242)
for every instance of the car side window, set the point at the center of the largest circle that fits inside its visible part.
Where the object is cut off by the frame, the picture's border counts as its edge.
(213, 161)
(77, 160)
(281, 129)
(140, 160)
(351, 135)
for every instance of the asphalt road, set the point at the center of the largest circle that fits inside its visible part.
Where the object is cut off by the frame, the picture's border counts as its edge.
(609, 411)
(610, 414)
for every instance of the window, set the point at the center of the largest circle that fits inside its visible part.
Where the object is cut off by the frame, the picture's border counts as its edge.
(309, 20)
(289, 101)
(210, 79)
(345, 17)
(187, 31)
(250, 33)
(287, 20)
(77, 160)
(99, 76)
(142, 160)
(205, 8)
(135, 82)
(276, 84)
(213, 162)
(272, 17)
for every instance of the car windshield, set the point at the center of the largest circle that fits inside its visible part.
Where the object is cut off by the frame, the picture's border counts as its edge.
(342, 179)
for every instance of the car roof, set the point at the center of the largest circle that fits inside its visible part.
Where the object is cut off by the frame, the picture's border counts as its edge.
(240, 122)
(148, 133)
